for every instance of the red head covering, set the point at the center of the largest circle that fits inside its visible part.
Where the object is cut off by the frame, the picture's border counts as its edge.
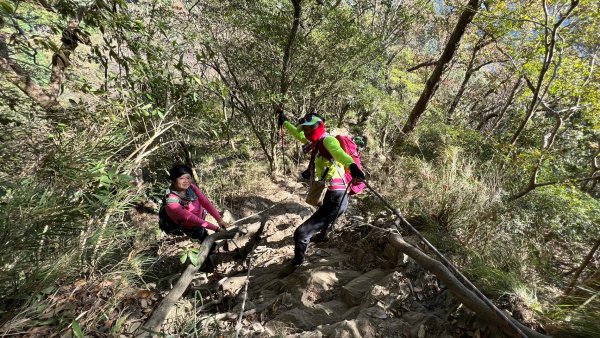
(315, 134)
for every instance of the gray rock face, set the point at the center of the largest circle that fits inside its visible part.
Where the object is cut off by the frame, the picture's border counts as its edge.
(353, 292)
(357, 328)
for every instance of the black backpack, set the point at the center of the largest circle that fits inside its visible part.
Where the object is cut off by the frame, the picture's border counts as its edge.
(165, 223)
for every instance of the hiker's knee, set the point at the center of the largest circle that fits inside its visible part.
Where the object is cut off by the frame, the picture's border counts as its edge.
(302, 234)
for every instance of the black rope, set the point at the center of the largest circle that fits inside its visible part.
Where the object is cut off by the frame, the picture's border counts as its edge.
(449, 265)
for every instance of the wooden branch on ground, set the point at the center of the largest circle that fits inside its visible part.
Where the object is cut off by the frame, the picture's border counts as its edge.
(160, 313)
(464, 295)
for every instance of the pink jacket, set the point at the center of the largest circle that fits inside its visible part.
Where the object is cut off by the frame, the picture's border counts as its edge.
(194, 212)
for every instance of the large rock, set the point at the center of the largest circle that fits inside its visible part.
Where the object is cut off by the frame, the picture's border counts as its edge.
(350, 329)
(328, 278)
(333, 310)
(245, 234)
(392, 292)
(353, 292)
(232, 285)
(305, 319)
(427, 324)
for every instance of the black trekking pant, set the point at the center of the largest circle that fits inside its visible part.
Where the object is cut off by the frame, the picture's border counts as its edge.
(198, 233)
(335, 203)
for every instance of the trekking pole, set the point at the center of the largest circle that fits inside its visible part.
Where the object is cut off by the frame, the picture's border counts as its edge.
(449, 265)
(282, 149)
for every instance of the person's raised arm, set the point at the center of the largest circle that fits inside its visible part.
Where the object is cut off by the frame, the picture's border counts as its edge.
(292, 129)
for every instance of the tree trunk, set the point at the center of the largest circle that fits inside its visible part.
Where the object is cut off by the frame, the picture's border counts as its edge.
(471, 69)
(549, 46)
(507, 104)
(433, 81)
(287, 52)
(284, 84)
(546, 145)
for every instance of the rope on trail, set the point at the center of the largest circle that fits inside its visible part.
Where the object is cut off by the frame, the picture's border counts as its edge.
(260, 212)
(449, 265)
(238, 326)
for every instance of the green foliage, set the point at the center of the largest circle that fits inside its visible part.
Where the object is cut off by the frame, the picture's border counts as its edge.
(563, 211)
(432, 141)
(6, 9)
(191, 254)
(77, 331)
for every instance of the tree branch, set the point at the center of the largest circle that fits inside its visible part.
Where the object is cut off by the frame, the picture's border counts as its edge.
(18, 76)
(582, 267)
(422, 64)
(464, 295)
(160, 313)
(46, 97)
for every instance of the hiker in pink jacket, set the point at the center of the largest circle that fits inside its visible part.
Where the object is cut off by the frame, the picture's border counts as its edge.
(188, 206)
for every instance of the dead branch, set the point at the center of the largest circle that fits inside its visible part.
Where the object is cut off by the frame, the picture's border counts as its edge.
(160, 313)
(467, 297)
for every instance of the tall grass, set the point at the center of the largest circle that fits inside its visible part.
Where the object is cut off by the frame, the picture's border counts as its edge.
(458, 198)
(64, 220)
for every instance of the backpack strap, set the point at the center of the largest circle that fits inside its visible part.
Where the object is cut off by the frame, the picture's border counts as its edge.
(316, 148)
(169, 198)
(172, 199)
(320, 146)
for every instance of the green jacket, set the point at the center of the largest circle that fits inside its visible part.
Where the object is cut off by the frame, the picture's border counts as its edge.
(321, 163)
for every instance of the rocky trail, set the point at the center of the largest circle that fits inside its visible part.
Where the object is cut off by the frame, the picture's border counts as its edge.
(355, 285)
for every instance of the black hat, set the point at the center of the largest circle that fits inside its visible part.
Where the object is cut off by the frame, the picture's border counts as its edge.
(179, 170)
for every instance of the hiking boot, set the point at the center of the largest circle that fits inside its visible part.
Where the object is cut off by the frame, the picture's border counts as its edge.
(287, 270)
(319, 239)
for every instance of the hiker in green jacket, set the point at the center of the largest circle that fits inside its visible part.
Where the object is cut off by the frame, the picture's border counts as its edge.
(311, 132)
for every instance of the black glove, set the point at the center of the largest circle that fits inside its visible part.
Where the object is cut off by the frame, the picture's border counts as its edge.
(280, 117)
(306, 174)
(356, 173)
(307, 147)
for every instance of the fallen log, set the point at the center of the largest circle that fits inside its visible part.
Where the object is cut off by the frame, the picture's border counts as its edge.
(160, 313)
(464, 295)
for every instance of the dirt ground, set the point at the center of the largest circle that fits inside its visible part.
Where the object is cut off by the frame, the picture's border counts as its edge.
(354, 285)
